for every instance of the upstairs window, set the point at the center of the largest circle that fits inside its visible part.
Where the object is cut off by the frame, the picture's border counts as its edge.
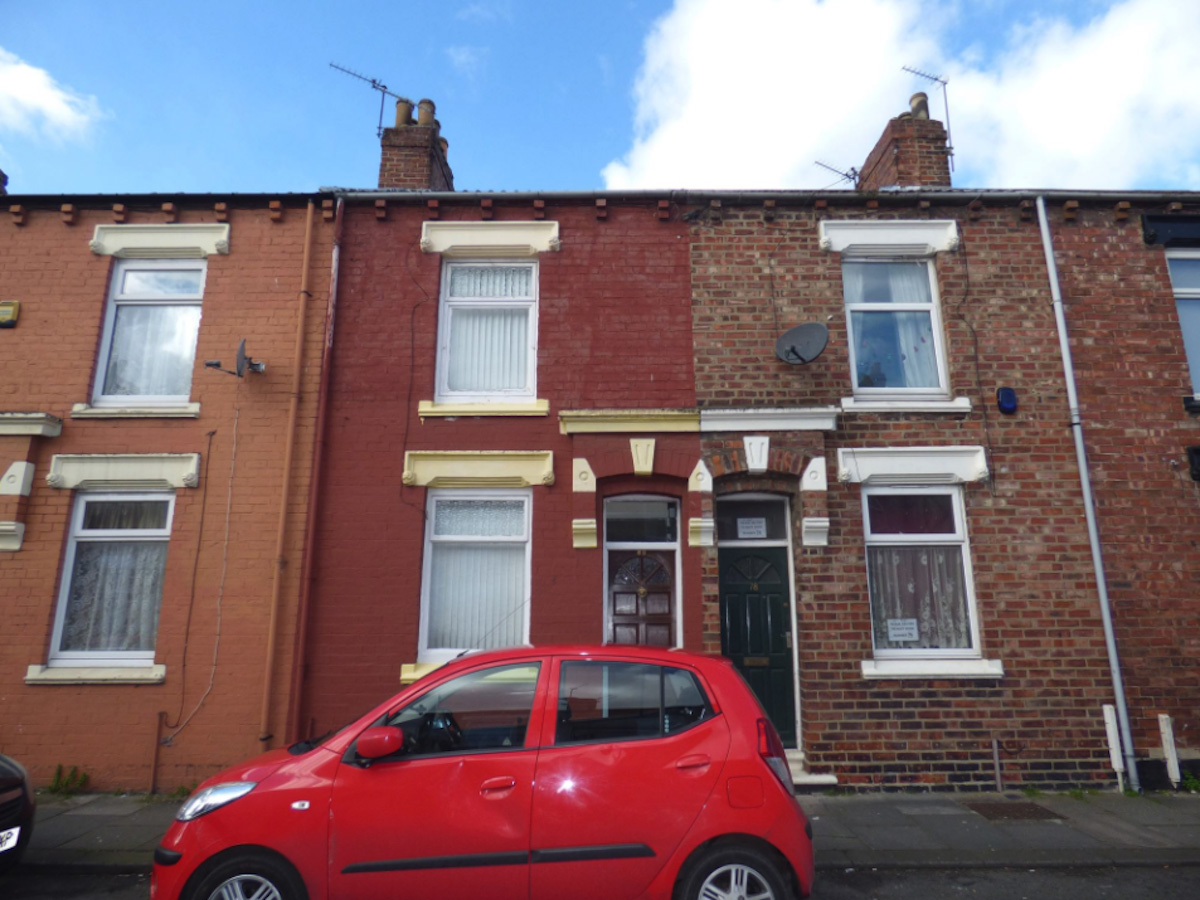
(895, 329)
(1185, 279)
(149, 344)
(487, 332)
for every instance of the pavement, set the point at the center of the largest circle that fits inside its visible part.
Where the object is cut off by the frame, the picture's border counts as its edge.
(105, 832)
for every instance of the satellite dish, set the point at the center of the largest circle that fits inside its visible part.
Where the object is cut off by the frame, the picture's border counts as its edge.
(802, 344)
(244, 362)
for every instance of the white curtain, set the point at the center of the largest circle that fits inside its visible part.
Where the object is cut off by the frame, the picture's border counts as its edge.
(476, 595)
(153, 349)
(116, 591)
(477, 588)
(489, 345)
(489, 349)
(925, 583)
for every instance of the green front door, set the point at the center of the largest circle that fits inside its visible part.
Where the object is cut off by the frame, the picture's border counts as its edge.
(756, 628)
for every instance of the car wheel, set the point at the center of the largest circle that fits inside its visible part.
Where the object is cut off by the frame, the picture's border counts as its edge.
(249, 876)
(733, 873)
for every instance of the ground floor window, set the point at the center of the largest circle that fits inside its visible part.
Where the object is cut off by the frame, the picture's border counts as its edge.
(112, 585)
(477, 570)
(919, 572)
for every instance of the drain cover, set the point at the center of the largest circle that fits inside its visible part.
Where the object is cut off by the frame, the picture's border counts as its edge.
(1012, 810)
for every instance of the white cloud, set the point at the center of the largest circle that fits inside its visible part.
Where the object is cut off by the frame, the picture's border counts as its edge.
(468, 61)
(749, 93)
(486, 13)
(34, 105)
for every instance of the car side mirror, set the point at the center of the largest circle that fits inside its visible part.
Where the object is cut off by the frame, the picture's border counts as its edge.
(380, 741)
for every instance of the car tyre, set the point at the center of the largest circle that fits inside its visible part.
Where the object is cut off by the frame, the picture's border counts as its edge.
(733, 872)
(249, 875)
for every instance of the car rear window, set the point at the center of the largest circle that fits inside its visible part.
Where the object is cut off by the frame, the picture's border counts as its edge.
(612, 701)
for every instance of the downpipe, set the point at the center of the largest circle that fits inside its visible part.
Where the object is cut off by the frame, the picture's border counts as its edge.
(1089, 508)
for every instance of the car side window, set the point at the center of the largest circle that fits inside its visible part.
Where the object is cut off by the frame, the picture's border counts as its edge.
(612, 701)
(483, 710)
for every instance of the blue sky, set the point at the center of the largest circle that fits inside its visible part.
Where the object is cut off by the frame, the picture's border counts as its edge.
(579, 94)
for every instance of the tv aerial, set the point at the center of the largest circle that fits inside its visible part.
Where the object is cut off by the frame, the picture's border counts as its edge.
(243, 363)
(802, 344)
(938, 79)
(378, 85)
(850, 175)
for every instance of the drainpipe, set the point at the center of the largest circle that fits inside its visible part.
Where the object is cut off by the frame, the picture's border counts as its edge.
(295, 728)
(1089, 509)
(264, 721)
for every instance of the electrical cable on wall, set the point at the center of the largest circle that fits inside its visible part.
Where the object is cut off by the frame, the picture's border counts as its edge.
(224, 572)
(187, 626)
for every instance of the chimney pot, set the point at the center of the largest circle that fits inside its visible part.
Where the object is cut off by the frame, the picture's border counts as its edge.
(404, 108)
(919, 103)
(425, 110)
(445, 145)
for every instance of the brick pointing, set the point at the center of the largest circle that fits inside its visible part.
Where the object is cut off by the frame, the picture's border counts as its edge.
(1034, 589)
(911, 153)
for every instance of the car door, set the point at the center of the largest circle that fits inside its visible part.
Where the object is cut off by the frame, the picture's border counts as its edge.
(447, 816)
(627, 763)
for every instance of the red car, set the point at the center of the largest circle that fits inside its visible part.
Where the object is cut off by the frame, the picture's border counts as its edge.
(540, 774)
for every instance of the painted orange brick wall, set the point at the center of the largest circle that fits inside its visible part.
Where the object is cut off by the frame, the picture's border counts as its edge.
(46, 365)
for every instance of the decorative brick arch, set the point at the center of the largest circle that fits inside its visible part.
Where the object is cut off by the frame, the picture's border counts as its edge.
(780, 461)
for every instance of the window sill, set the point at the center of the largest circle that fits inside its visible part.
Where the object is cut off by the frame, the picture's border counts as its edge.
(874, 669)
(98, 674)
(431, 408)
(957, 405)
(87, 411)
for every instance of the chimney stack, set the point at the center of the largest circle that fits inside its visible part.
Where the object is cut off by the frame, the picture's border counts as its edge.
(911, 152)
(3, 183)
(413, 153)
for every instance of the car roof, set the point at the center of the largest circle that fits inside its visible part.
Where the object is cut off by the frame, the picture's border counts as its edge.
(670, 656)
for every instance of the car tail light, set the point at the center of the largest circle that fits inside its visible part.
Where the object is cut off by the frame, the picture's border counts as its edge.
(770, 748)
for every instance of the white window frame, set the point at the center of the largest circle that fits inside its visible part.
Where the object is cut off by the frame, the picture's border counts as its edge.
(116, 298)
(958, 538)
(437, 655)
(673, 547)
(447, 307)
(76, 536)
(1187, 295)
(941, 391)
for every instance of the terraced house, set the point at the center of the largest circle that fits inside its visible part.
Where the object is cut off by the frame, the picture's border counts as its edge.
(921, 461)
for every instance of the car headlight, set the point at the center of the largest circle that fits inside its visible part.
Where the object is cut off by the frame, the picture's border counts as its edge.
(213, 798)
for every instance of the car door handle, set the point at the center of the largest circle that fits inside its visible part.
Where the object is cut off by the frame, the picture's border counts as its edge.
(499, 783)
(695, 761)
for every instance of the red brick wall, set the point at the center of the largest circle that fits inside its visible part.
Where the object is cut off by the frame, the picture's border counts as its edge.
(1132, 374)
(614, 330)
(1034, 589)
(910, 152)
(411, 158)
(47, 365)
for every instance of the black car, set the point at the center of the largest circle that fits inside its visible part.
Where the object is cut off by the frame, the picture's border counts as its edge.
(17, 804)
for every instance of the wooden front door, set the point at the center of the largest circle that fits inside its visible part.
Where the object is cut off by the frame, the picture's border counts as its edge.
(641, 597)
(756, 628)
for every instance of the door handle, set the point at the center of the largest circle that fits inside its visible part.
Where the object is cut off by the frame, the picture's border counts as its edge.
(695, 761)
(499, 783)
